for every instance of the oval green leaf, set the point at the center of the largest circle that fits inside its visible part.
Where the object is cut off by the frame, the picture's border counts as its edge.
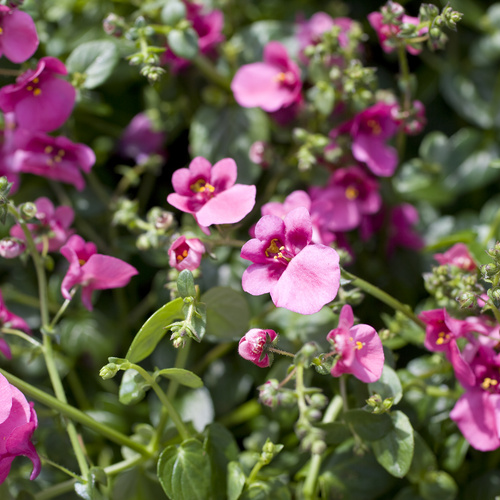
(184, 43)
(369, 426)
(154, 330)
(388, 385)
(182, 377)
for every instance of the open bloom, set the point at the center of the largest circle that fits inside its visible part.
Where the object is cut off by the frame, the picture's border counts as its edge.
(55, 158)
(53, 229)
(359, 348)
(186, 253)
(299, 275)
(210, 193)
(18, 421)
(40, 100)
(91, 270)
(458, 255)
(18, 36)
(252, 346)
(370, 130)
(10, 320)
(271, 85)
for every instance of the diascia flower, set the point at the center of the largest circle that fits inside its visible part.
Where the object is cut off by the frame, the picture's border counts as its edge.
(252, 344)
(210, 193)
(271, 85)
(458, 255)
(40, 100)
(299, 275)
(18, 421)
(19, 39)
(10, 320)
(359, 348)
(92, 271)
(186, 253)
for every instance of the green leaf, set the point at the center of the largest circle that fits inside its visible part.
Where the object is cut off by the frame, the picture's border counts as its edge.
(184, 471)
(134, 484)
(394, 451)
(335, 432)
(369, 426)
(423, 461)
(235, 480)
(133, 387)
(154, 330)
(437, 485)
(172, 12)
(185, 284)
(96, 60)
(222, 449)
(218, 133)
(184, 43)
(182, 377)
(388, 385)
(228, 314)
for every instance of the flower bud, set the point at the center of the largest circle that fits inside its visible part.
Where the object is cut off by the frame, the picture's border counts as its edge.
(318, 447)
(109, 371)
(318, 401)
(467, 299)
(254, 345)
(268, 393)
(114, 25)
(28, 210)
(11, 248)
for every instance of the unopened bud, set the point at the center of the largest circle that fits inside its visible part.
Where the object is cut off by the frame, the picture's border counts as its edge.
(318, 447)
(109, 371)
(318, 401)
(11, 248)
(28, 210)
(114, 25)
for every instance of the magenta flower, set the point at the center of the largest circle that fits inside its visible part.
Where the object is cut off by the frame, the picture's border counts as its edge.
(208, 27)
(10, 320)
(139, 140)
(55, 158)
(441, 334)
(53, 228)
(299, 275)
(359, 348)
(40, 100)
(350, 195)
(252, 346)
(388, 33)
(18, 36)
(186, 253)
(10, 248)
(271, 85)
(458, 255)
(402, 220)
(370, 130)
(413, 120)
(18, 421)
(92, 271)
(210, 193)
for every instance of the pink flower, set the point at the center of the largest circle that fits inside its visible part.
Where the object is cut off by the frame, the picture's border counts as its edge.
(55, 158)
(185, 253)
(18, 421)
(350, 195)
(413, 120)
(210, 193)
(271, 85)
(19, 39)
(208, 27)
(359, 349)
(39, 99)
(91, 270)
(10, 248)
(388, 33)
(10, 320)
(299, 275)
(458, 255)
(370, 129)
(252, 346)
(402, 220)
(139, 140)
(53, 229)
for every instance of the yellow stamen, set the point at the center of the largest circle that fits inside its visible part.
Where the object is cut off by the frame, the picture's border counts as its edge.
(359, 345)
(37, 92)
(29, 87)
(81, 261)
(35, 80)
(48, 149)
(272, 248)
(375, 126)
(351, 193)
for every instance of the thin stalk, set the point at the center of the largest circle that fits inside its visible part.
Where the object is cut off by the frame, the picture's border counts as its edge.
(279, 351)
(75, 414)
(24, 336)
(176, 419)
(383, 297)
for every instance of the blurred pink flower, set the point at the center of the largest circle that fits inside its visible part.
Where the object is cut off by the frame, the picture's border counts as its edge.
(210, 193)
(10, 248)
(271, 85)
(299, 275)
(458, 255)
(40, 100)
(10, 320)
(53, 229)
(19, 39)
(18, 421)
(252, 346)
(186, 253)
(91, 270)
(359, 348)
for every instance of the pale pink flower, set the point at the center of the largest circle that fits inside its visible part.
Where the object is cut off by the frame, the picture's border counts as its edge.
(458, 255)
(186, 253)
(252, 346)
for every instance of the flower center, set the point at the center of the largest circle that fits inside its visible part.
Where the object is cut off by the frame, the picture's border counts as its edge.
(258, 344)
(351, 193)
(489, 383)
(357, 345)
(278, 251)
(33, 87)
(54, 158)
(181, 256)
(443, 338)
(202, 186)
(286, 79)
(375, 126)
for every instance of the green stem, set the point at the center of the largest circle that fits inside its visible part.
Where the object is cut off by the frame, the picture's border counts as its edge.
(176, 419)
(75, 414)
(283, 353)
(62, 309)
(24, 336)
(253, 474)
(383, 297)
(406, 101)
